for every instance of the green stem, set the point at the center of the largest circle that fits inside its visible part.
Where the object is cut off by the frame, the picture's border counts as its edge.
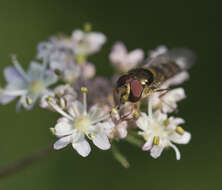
(25, 162)
(119, 157)
(134, 140)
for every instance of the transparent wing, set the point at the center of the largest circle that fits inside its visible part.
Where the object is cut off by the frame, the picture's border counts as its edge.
(183, 57)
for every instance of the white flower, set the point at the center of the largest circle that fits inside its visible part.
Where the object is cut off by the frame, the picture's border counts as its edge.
(63, 95)
(28, 86)
(86, 43)
(57, 49)
(161, 132)
(59, 54)
(168, 102)
(124, 60)
(78, 124)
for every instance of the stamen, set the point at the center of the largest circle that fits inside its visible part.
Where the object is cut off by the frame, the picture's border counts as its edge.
(179, 130)
(80, 59)
(57, 108)
(150, 106)
(53, 130)
(105, 117)
(114, 111)
(84, 91)
(19, 68)
(156, 140)
(62, 103)
(91, 136)
(87, 27)
(166, 122)
(136, 115)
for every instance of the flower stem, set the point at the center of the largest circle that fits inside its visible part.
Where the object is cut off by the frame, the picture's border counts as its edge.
(119, 157)
(150, 106)
(134, 140)
(25, 162)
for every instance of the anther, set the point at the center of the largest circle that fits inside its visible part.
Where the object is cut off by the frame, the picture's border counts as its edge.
(87, 27)
(91, 136)
(53, 131)
(80, 59)
(166, 122)
(114, 111)
(62, 103)
(156, 140)
(28, 100)
(49, 99)
(180, 130)
(84, 89)
(136, 115)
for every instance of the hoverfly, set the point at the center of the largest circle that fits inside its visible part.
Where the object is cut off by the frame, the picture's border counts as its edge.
(141, 82)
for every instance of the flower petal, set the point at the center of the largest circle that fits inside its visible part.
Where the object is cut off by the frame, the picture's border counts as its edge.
(148, 144)
(122, 129)
(50, 78)
(156, 151)
(181, 139)
(4, 99)
(63, 128)
(35, 70)
(61, 143)
(12, 75)
(159, 116)
(82, 147)
(135, 56)
(143, 121)
(101, 141)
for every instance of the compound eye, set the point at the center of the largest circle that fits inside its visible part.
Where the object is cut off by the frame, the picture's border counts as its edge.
(136, 90)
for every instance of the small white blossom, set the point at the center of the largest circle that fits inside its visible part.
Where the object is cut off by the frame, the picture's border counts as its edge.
(87, 43)
(168, 102)
(123, 60)
(78, 124)
(161, 132)
(28, 86)
(115, 128)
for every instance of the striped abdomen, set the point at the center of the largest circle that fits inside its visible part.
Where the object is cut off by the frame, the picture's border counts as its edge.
(164, 71)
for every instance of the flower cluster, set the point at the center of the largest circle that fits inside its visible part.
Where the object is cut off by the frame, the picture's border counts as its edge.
(63, 80)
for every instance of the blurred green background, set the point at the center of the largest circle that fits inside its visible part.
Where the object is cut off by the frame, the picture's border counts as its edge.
(144, 24)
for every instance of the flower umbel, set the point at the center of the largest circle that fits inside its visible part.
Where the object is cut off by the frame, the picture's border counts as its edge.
(77, 124)
(161, 132)
(112, 109)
